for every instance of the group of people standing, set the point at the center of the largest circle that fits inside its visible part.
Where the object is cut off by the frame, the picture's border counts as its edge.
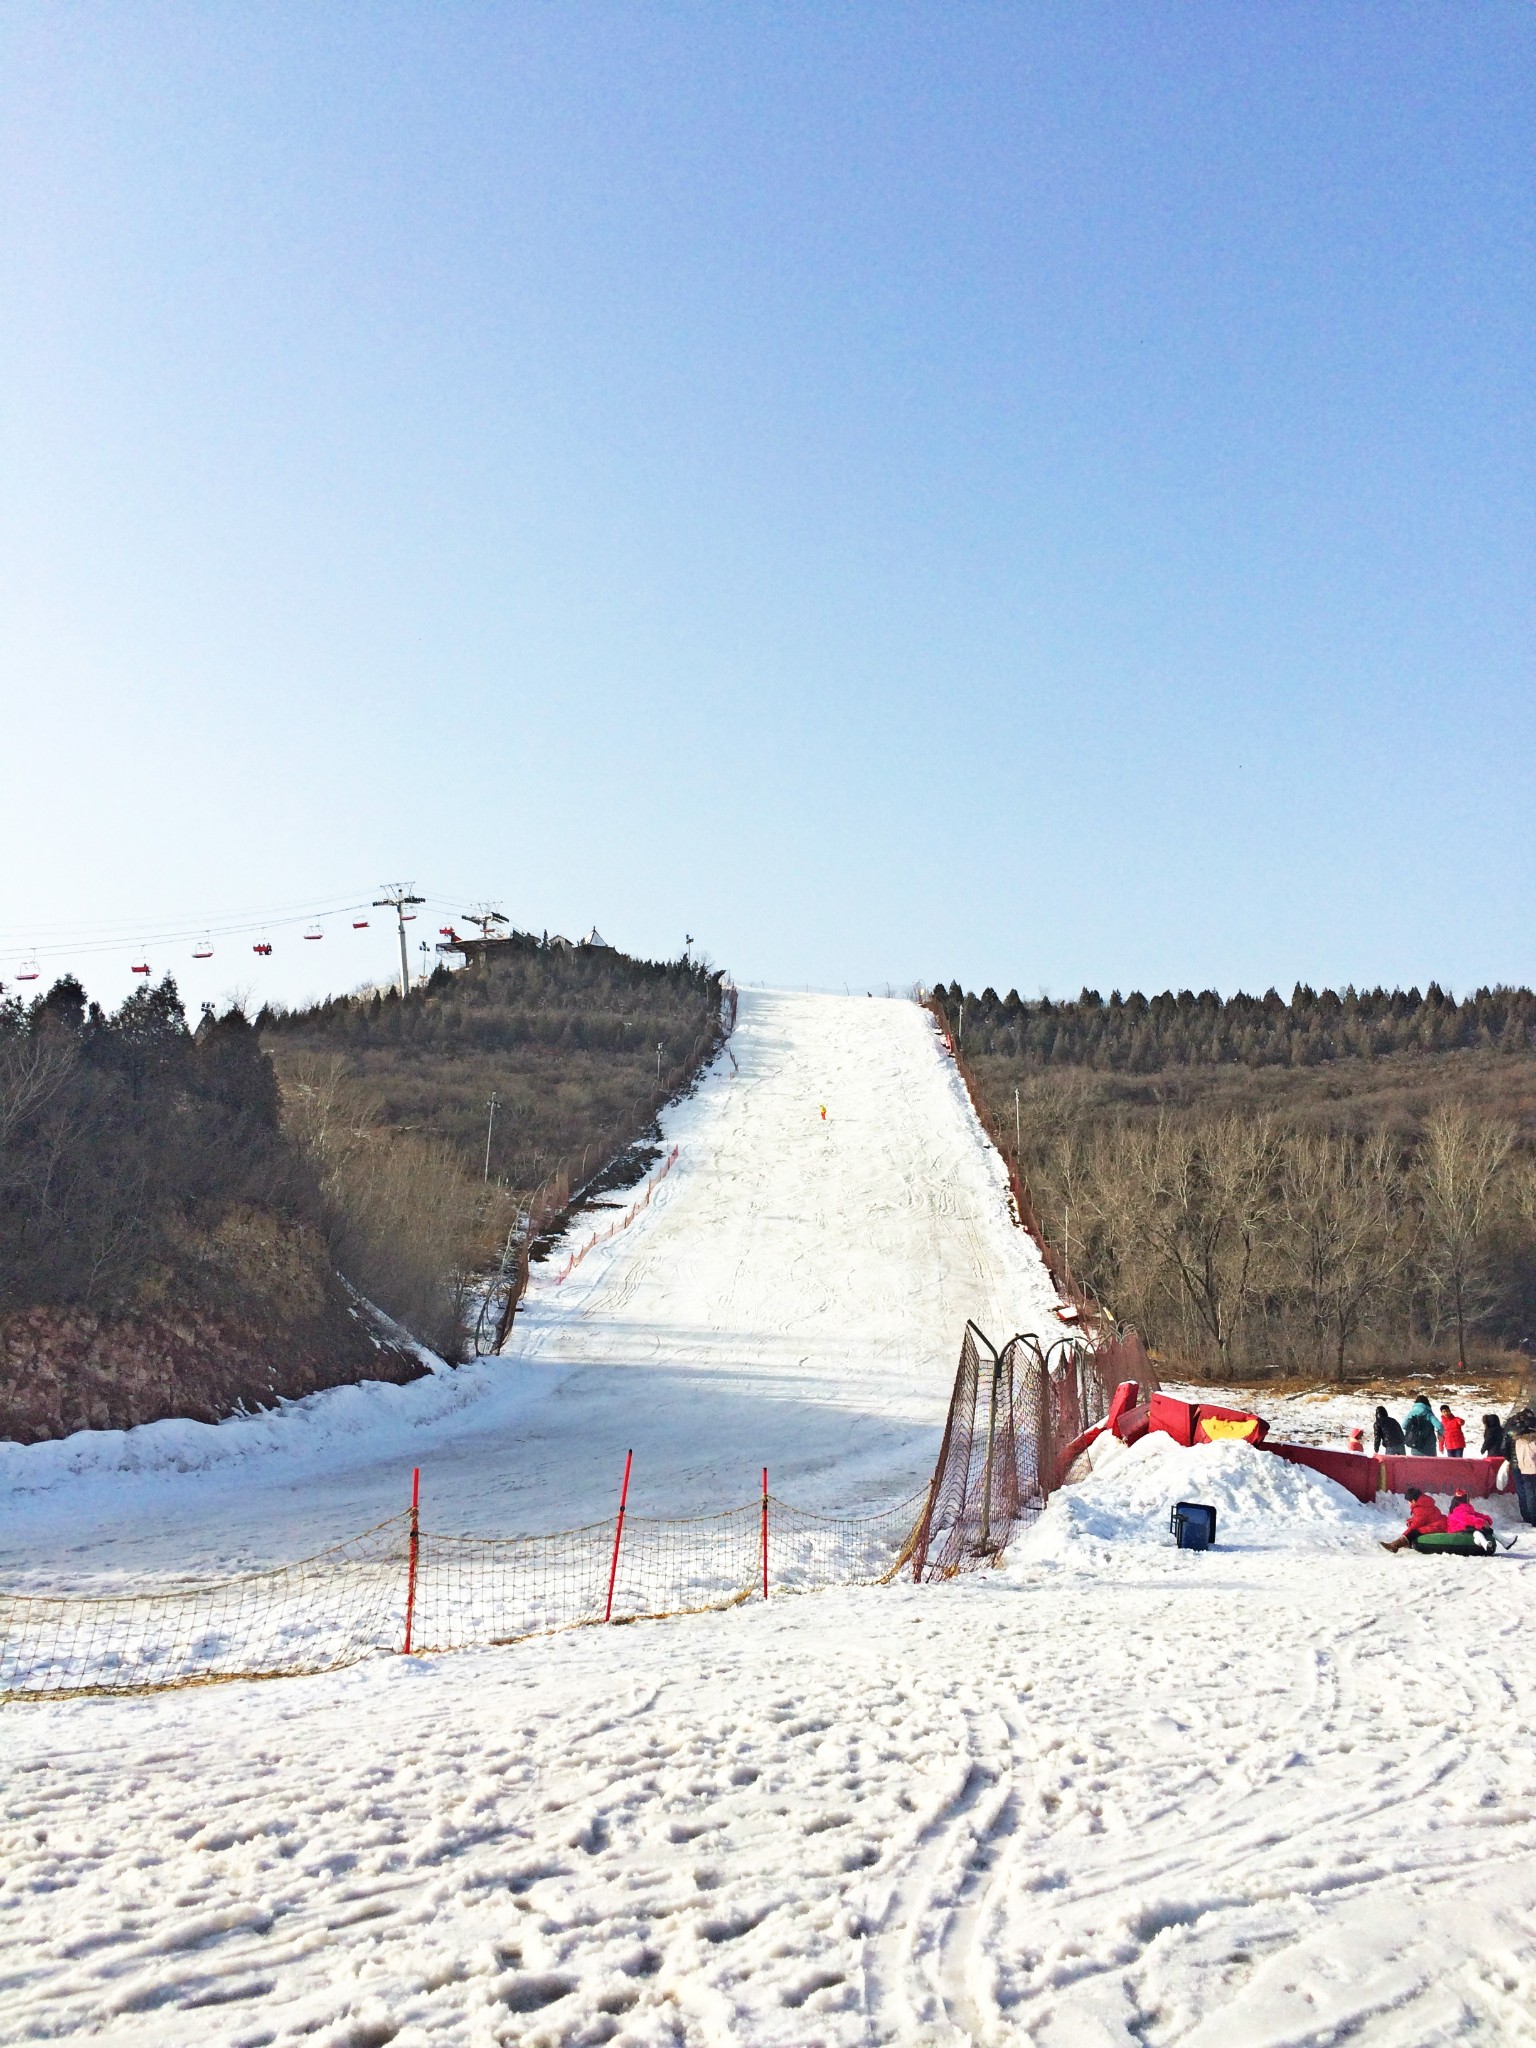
(1423, 1434)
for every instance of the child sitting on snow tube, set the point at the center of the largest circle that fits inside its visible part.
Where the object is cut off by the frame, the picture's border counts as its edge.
(1428, 1529)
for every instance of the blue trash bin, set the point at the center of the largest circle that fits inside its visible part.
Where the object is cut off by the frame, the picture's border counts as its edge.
(1193, 1525)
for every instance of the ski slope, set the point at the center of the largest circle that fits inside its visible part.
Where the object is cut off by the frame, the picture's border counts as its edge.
(1114, 1795)
(1110, 1796)
(793, 1297)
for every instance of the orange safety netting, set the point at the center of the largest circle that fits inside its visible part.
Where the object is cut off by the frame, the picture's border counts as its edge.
(351, 1600)
(1014, 1418)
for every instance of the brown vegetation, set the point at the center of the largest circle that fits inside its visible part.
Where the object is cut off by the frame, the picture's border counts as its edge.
(389, 1101)
(1366, 1211)
(160, 1248)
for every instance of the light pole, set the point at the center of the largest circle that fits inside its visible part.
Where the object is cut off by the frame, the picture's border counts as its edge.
(395, 898)
(490, 1125)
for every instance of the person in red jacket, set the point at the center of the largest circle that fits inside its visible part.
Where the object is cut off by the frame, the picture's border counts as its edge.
(1424, 1519)
(1453, 1434)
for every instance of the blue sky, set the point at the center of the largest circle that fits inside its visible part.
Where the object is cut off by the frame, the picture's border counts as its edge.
(1042, 494)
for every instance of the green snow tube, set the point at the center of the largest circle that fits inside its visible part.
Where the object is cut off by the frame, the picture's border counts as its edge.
(1464, 1542)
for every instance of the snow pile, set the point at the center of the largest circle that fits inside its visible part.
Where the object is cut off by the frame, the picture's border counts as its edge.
(1261, 1501)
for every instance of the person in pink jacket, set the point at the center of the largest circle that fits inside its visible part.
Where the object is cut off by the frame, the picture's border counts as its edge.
(1462, 1515)
(1464, 1519)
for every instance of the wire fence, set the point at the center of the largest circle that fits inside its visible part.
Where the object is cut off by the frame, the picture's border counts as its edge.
(399, 1584)
(1015, 1421)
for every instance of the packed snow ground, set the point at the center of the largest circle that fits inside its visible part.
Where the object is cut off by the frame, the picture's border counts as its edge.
(1114, 1793)
(1111, 1793)
(793, 1297)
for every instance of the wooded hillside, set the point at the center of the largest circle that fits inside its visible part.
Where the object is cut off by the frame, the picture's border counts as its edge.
(390, 1102)
(161, 1240)
(1342, 1183)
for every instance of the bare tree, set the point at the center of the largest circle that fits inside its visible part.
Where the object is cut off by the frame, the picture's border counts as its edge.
(1459, 1168)
(1210, 1193)
(1345, 1235)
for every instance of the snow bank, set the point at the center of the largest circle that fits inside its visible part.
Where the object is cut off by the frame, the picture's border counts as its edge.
(1261, 1502)
(314, 1429)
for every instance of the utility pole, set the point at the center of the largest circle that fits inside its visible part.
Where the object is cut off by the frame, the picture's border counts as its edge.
(395, 899)
(658, 1063)
(490, 1125)
(1018, 1129)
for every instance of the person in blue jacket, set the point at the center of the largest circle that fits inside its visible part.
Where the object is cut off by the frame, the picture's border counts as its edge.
(1419, 1430)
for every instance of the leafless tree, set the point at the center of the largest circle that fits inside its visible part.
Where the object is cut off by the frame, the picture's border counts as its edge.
(1345, 1235)
(1460, 1164)
(1202, 1194)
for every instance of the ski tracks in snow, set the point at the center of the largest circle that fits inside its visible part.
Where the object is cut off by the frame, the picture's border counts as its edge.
(1199, 1802)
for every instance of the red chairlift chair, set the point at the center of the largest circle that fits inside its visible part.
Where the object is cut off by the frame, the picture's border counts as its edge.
(140, 967)
(203, 950)
(359, 924)
(263, 947)
(27, 971)
(314, 932)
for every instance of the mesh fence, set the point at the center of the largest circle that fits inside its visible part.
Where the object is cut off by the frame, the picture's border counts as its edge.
(1014, 1418)
(327, 1611)
(463, 1592)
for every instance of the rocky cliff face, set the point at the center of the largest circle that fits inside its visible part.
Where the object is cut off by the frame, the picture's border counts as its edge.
(271, 1323)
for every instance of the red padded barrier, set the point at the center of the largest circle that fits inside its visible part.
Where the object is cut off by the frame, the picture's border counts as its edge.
(1132, 1424)
(1353, 1471)
(1173, 1418)
(1473, 1476)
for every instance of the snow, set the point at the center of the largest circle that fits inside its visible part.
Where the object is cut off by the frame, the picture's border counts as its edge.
(793, 1296)
(1233, 1802)
(1282, 1792)
(1261, 1502)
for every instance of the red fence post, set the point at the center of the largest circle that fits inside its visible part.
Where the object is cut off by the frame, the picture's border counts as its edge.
(765, 1532)
(618, 1535)
(410, 1583)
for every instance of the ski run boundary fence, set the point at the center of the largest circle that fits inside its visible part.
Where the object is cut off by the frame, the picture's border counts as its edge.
(1016, 1422)
(1014, 1416)
(399, 1586)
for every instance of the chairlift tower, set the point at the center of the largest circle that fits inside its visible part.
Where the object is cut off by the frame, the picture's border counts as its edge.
(396, 899)
(486, 916)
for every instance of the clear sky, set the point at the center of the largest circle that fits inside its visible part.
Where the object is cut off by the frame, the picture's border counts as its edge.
(1037, 493)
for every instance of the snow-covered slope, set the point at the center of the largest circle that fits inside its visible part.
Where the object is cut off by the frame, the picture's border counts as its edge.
(793, 1297)
(1110, 1796)
(1258, 1798)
